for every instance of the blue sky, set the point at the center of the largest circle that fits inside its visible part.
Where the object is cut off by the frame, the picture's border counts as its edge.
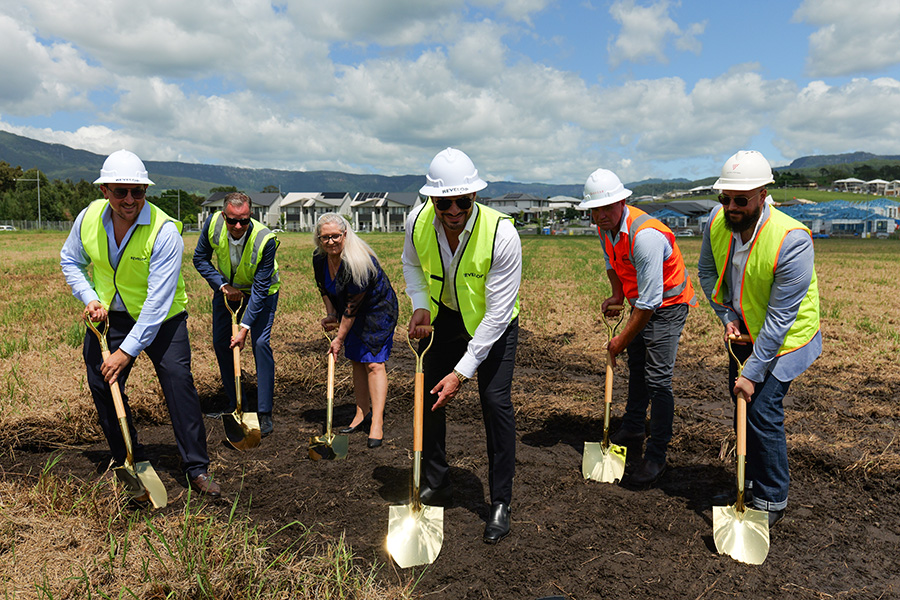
(532, 90)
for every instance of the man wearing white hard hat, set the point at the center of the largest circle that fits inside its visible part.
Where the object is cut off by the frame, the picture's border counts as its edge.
(463, 264)
(645, 267)
(135, 249)
(757, 269)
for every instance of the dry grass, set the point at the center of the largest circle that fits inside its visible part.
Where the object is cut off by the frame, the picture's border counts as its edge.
(69, 538)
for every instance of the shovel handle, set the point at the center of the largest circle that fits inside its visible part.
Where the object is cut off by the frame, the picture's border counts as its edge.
(740, 338)
(235, 329)
(607, 392)
(115, 391)
(741, 426)
(419, 412)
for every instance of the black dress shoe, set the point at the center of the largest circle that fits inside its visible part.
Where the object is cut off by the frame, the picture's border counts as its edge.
(497, 526)
(441, 496)
(362, 426)
(373, 442)
(623, 437)
(265, 424)
(647, 473)
(775, 516)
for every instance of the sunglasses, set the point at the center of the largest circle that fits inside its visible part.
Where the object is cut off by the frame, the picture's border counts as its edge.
(121, 193)
(463, 203)
(330, 238)
(231, 221)
(739, 200)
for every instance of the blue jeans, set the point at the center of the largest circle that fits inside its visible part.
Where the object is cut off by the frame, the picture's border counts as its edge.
(260, 332)
(651, 361)
(767, 473)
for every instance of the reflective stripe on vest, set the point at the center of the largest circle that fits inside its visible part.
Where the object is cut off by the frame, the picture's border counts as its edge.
(759, 276)
(129, 280)
(260, 235)
(677, 287)
(472, 270)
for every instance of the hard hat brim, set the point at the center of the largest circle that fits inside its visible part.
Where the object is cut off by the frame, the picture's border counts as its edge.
(741, 185)
(606, 200)
(434, 191)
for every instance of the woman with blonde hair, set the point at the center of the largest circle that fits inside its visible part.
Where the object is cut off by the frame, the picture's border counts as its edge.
(361, 304)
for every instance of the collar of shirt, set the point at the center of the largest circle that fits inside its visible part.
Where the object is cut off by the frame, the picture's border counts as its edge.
(236, 249)
(740, 246)
(143, 218)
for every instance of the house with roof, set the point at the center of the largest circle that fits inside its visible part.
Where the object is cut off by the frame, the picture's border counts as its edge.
(524, 207)
(301, 210)
(265, 207)
(850, 184)
(842, 218)
(382, 211)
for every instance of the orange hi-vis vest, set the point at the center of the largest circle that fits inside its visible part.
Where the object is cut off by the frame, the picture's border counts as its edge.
(677, 288)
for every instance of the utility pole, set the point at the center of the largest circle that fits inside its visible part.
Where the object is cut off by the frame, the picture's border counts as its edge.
(179, 201)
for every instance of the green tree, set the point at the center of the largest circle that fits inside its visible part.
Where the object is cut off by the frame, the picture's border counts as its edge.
(223, 188)
(271, 189)
(8, 176)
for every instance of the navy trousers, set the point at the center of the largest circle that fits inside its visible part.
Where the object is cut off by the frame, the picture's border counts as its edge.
(651, 362)
(170, 353)
(260, 333)
(495, 389)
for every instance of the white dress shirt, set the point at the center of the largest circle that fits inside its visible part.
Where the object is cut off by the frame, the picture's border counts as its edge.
(501, 286)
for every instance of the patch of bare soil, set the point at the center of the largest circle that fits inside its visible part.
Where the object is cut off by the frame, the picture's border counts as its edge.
(574, 538)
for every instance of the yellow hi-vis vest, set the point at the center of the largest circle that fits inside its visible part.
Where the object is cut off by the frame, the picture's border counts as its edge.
(473, 267)
(129, 279)
(260, 235)
(759, 276)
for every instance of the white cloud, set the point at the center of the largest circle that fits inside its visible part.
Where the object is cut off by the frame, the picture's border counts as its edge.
(853, 37)
(863, 114)
(646, 31)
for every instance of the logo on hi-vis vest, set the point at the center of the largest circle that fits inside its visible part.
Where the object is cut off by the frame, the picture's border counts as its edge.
(140, 258)
(476, 275)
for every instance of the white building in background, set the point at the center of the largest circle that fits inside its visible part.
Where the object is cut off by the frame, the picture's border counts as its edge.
(301, 210)
(382, 211)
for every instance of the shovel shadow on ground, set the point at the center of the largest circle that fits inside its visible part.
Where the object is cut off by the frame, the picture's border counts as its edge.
(342, 416)
(571, 430)
(163, 457)
(468, 490)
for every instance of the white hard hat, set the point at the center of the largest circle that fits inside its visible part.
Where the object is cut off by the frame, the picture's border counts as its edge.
(746, 170)
(452, 173)
(123, 166)
(603, 188)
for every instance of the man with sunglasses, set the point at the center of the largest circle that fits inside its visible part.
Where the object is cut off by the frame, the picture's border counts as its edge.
(247, 271)
(644, 266)
(137, 287)
(756, 267)
(462, 262)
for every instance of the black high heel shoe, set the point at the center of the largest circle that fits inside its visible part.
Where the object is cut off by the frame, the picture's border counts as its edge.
(363, 425)
(373, 442)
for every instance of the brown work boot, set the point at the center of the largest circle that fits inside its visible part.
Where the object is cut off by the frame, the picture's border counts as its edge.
(204, 484)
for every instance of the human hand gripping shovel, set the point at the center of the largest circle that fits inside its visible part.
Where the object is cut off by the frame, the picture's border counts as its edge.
(740, 532)
(416, 531)
(241, 429)
(329, 446)
(139, 479)
(603, 461)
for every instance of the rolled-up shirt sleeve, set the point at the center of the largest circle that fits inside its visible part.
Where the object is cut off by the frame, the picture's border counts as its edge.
(501, 289)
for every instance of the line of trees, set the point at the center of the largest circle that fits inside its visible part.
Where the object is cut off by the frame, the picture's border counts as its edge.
(63, 200)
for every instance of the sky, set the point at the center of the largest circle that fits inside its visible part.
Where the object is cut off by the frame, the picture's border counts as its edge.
(532, 90)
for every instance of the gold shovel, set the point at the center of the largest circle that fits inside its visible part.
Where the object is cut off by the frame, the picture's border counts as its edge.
(605, 462)
(740, 532)
(139, 479)
(329, 446)
(416, 531)
(241, 429)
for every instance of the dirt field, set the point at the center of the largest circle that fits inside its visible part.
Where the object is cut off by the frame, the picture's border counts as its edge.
(573, 538)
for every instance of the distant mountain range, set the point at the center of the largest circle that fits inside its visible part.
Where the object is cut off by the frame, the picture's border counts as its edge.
(57, 161)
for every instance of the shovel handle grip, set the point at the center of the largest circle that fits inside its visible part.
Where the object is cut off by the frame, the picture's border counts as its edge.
(740, 338)
(330, 384)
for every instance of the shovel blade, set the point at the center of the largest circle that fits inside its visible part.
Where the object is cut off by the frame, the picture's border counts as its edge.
(321, 448)
(152, 483)
(415, 536)
(128, 477)
(242, 431)
(605, 466)
(742, 535)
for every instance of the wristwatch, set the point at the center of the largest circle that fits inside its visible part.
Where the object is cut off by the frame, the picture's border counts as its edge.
(462, 378)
